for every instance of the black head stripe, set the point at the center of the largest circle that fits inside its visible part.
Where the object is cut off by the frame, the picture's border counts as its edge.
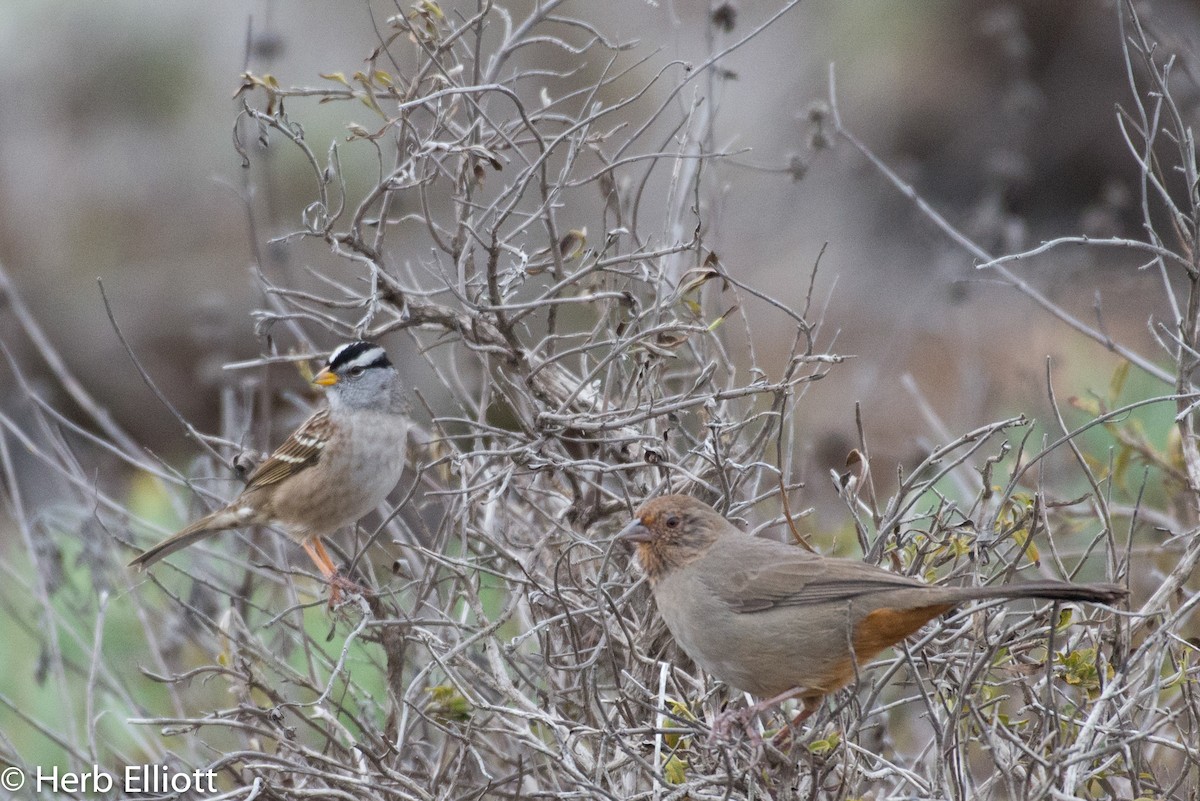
(358, 354)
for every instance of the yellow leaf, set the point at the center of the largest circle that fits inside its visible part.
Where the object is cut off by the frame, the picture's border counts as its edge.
(336, 76)
(1096, 466)
(148, 498)
(1117, 382)
(1121, 465)
(368, 100)
(1089, 405)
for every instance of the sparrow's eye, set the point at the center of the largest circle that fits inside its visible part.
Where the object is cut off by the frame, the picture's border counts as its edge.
(672, 521)
(356, 370)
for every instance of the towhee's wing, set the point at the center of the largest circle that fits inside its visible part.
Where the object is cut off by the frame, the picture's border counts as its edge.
(790, 576)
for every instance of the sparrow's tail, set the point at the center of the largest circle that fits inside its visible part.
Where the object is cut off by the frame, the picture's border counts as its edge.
(220, 520)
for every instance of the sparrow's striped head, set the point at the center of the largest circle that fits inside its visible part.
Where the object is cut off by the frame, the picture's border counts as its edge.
(351, 361)
(358, 375)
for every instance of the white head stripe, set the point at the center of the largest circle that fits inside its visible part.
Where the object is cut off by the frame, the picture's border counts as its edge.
(367, 358)
(336, 352)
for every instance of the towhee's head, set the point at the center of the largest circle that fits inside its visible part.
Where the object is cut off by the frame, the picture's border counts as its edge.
(670, 531)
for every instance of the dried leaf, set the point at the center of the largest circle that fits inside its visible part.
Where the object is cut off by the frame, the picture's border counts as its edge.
(670, 340)
(336, 76)
(572, 243)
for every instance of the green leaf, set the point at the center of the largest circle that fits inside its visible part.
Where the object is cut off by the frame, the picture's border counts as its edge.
(447, 703)
(1021, 537)
(717, 322)
(680, 710)
(430, 7)
(675, 770)
(1064, 618)
(1079, 668)
(824, 746)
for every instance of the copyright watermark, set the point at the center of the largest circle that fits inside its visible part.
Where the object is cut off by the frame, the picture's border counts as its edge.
(12, 779)
(131, 779)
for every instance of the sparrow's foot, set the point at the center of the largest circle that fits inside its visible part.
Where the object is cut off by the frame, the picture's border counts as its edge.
(339, 584)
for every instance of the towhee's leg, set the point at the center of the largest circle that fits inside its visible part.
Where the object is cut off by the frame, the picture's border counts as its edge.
(724, 723)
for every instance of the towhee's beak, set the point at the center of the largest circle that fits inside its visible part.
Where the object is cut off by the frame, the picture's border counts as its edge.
(635, 533)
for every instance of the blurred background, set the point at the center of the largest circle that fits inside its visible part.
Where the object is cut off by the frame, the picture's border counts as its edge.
(117, 162)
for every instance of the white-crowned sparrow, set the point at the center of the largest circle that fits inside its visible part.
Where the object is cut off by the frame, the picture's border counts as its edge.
(337, 466)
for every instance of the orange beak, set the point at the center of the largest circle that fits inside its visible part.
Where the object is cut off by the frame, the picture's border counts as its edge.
(325, 378)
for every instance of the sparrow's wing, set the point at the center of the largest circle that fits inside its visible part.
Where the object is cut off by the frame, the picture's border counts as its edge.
(793, 577)
(301, 451)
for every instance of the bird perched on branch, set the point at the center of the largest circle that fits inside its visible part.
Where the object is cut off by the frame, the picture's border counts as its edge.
(781, 622)
(336, 467)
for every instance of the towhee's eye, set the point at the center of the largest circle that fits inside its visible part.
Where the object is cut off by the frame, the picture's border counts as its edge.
(671, 522)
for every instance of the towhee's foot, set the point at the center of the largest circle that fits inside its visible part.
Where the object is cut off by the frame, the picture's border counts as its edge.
(784, 738)
(725, 724)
